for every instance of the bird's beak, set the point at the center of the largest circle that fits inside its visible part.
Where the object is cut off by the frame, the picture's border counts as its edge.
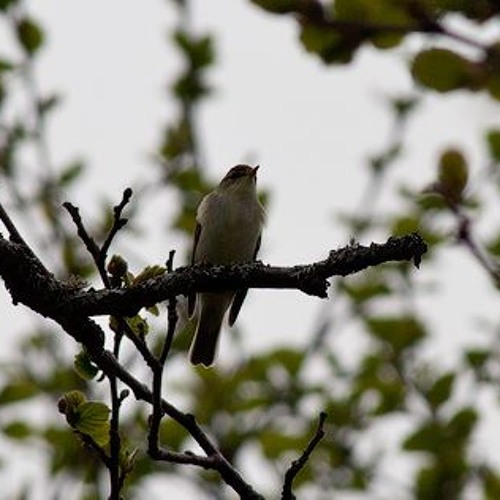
(254, 171)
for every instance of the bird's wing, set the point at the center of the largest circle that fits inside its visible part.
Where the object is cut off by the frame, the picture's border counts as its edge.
(240, 295)
(196, 239)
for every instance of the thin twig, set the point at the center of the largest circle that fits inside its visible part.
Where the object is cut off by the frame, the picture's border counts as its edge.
(11, 228)
(114, 441)
(299, 464)
(87, 240)
(90, 443)
(99, 254)
(157, 412)
(466, 237)
(172, 316)
(118, 223)
(138, 341)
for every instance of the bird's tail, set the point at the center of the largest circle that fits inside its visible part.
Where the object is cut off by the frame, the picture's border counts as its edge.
(212, 308)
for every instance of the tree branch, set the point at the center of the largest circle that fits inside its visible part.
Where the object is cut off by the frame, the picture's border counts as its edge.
(299, 464)
(31, 284)
(314, 13)
(99, 254)
(310, 278)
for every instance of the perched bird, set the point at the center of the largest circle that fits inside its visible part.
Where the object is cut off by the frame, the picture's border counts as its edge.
(228, 231)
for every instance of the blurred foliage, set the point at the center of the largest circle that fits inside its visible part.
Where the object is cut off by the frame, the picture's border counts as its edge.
(269, 402)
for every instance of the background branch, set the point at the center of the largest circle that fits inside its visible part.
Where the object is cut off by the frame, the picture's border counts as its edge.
(299, 464)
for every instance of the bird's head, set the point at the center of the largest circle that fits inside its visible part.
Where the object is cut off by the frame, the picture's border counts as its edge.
(240, 177)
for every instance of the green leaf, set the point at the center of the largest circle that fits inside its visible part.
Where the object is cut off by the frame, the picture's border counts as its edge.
(275, 443)
(278, 6)
(93, 420)
(428, 481)
(69, 403)
(487, 71)
(386, 40)
(75, 398)
(48, 103)
(18, 430)
(148, 273)
(462, 423)
(199, 50)
(114, 324)
(431, 199)
(375, 13)
(70, 173)
(493, 141)
(190, 87)
(368, 11)
(491, 483)
(177, 141)
(84, 366)
(407, 224)
(400, 332)
(30, 35)
(330, 45)
(18, 391)
(138, 325)
(380, 162)
(190, 180)
(477, 358)
(6, 65)
(290, 359)
(453, 175)
(425, 438)
(5, 4)
(154, 310)
(442, 70)
(440, 392)
(365, 290)
(172, 434)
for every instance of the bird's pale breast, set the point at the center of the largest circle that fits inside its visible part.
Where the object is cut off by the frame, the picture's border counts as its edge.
(230, 233)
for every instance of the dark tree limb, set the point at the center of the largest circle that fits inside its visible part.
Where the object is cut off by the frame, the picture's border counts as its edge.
(310, 278)
(30, 283)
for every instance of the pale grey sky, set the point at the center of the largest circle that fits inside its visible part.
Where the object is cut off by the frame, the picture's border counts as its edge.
(308, 126)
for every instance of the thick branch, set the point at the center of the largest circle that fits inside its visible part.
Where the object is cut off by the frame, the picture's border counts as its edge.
(309, 278)
(29, 282)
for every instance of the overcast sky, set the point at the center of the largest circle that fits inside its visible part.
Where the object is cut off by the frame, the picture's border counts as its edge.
(309, 127)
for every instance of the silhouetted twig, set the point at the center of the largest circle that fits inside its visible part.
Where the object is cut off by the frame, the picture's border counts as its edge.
(99, 254)
(299, 464)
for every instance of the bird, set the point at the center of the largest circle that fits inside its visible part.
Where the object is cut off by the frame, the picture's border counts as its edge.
(229, 223)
